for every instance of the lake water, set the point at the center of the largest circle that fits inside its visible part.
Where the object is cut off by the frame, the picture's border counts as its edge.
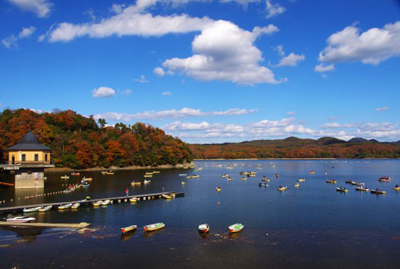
(312, 226)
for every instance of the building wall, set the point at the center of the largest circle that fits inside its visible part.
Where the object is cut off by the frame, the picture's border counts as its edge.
(29, 156)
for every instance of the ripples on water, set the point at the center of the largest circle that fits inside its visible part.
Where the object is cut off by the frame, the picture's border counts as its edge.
(310, 227)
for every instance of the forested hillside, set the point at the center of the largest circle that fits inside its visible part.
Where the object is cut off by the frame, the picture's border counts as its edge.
(80, 142)
(292, 147)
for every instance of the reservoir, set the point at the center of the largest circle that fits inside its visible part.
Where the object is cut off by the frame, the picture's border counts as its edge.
(311, 226)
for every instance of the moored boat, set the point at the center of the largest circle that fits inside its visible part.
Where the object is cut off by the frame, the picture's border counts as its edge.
(362, 188)
(276, 175)
(65, 177)
(342, 189)
(204, 228)
(75, 206)
(312, 172)
(97, 204)
(133, 183)
(105, 202)
(225, 175)
(378, 191)
(146, 181)
(384, 179)
(153, 227)
(128, 229)
(45, 208)
(397, 188)
(218, 188)
(235, 228)
(282, 188)
(20, 219)
(183, 183)
(263, 184)
(63, 207)
(75, 174)
(133, 200)
(31, 209)
(297, 184)
(166, 196)
(331, 181)
(301, 180)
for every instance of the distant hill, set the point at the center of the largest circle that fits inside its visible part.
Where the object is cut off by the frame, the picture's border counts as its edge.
(293, 147)
(79, 142)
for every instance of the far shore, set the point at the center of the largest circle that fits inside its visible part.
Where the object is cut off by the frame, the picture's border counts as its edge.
(115, 168)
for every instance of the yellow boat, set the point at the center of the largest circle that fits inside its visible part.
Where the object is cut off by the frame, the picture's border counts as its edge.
(133, 200)
(128, 229)
(218, 188)
(301, 180)
(183, 183)
(397, 188)
(281, 188)
(166, 196)
(297, 185)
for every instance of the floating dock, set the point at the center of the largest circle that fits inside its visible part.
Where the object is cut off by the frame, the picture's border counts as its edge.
(121, 199)
(46, 225)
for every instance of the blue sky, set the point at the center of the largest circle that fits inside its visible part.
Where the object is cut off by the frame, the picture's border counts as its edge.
(209, 71)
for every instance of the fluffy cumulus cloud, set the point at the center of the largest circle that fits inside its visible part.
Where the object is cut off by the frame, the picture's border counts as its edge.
(103, 92)
(225, 52)
(370, 47)
(41, 7)
(142, 79)
(274, 9)
(12, 40)
(291, 60)
(173, 113)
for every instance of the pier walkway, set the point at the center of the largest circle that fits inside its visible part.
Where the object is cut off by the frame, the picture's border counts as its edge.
(120, 199)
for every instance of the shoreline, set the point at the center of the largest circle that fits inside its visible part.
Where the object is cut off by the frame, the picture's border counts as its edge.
(261, 159)
(116, 168)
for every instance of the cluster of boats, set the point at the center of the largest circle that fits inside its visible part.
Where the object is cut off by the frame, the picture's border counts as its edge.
(109, 172)
(203, 228)
(248, 174)
(361, 186)
(193, 176)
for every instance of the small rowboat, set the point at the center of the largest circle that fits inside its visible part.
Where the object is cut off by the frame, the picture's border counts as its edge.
(244, 178)
(88, 179)
(281, 188)
(312, 172)
(133, 200)
(97, 204)
(148, 175)
(341, 189)
(183, 183)
(105, 202)
(182, 175)
(263, 184)
(153, 227)
(65, 177)
(22, 219)
(75, 174)
(63, 207)
(75, 206)
(225, 175)
(377, 191)
(397, 188)
(32, 209)
(110, 173)
(230, 178)
(128, 229)
(235, 228)
(156, 172)
(301, 180)
(218, 188)
(297, 184)
(361, 188)
(204, 228)
(45, 208)
(331, 181)
(133, 183)
(276, 175)
(146, 181)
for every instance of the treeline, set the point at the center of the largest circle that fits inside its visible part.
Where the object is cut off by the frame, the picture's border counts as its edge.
(81, 142)
(292, 147)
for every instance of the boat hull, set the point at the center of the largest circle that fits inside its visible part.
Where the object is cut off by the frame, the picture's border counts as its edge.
(153, 227)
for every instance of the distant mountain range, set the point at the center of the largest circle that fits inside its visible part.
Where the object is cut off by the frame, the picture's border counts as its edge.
(293, 147)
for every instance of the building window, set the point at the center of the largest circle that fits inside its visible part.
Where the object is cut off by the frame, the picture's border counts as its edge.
(45, 157)
(36, 157)
(13, 159)
(23, 157)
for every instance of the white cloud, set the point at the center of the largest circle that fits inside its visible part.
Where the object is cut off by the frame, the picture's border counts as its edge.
(291, 60)
(385, 108)
(129, 22)
(103, 92)
(166, 93)
(370, 47)
(142, 79)
(159, 71)
(41, 7)
(274, 10)
(225, 52)
(117, 8)
(158, 115)
(126, 92)
(291, 113)
(324, 68)
(12, 40)
(186, 126)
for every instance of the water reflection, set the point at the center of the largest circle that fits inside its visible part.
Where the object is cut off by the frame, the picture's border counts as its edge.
(29, 234)
(127, 236)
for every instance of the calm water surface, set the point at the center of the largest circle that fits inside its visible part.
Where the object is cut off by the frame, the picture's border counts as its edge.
(310, 227)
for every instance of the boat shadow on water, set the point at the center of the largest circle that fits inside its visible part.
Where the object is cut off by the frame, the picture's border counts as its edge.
(150, 234)
(127, 236)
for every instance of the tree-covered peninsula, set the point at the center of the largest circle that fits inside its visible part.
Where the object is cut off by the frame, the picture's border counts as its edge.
(80, 142)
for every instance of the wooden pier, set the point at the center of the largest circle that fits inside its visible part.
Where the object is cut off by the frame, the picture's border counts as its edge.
(121, 199)
(46, 225)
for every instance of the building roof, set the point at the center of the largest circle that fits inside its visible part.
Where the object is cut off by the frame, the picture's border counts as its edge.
(29, 142)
